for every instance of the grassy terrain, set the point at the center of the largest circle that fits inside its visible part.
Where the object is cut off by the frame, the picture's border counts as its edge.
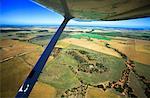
(58, 74)
(136, 85)
(112, 63)
(142, 69)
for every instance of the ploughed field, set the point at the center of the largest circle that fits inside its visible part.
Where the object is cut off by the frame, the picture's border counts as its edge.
(86, 63)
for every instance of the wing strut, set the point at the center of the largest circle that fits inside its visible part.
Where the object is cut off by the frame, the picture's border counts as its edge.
(29, 83)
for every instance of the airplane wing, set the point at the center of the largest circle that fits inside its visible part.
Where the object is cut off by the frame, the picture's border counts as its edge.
(100, 9)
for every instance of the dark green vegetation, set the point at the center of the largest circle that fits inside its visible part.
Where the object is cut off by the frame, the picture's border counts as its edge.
(128, 34)
(44, 39)
(39, 37)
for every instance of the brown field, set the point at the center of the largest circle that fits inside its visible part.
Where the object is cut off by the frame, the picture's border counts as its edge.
(17, 60)
(11, 48)
(13, 73)
(137, 50)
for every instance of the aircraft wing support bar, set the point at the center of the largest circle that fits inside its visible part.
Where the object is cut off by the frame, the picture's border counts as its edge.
(29, 83)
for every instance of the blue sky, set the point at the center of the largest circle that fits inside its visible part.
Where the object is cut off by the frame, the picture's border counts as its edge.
(25, 12)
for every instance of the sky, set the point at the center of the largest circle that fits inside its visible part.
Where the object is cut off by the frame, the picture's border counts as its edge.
(25, 12)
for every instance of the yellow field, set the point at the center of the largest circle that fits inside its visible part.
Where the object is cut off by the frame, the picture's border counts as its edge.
(11, 48)
(42, 90)
(137, 50)
(16, 61)
(13, 73)
(97, 93)
(97, 46)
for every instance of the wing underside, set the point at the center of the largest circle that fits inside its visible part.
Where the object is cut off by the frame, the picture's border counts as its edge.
(100, 9)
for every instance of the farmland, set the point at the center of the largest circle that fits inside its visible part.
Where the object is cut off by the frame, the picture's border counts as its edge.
(88, 36)
(85, 63)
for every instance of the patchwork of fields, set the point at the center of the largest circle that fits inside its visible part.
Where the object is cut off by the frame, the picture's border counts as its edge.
(90, 64)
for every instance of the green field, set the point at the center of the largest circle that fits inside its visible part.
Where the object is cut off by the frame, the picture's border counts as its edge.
(89, 35)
